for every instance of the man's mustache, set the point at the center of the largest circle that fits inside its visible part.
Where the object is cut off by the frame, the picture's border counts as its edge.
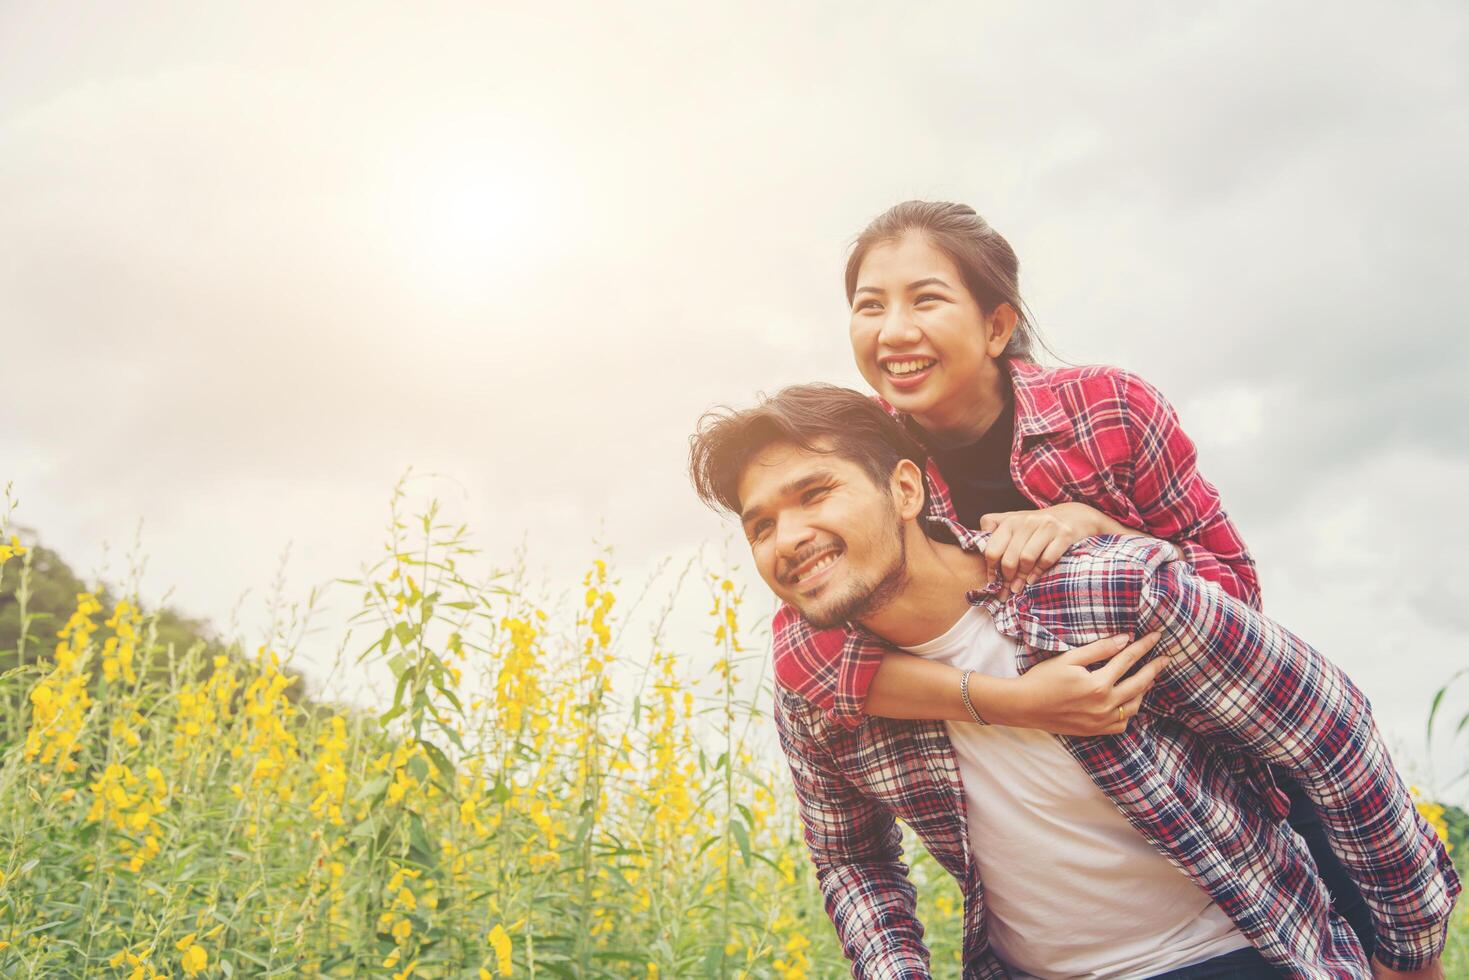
(788, 566)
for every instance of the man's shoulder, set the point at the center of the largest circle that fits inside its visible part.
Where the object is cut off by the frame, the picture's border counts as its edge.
(1138, 551)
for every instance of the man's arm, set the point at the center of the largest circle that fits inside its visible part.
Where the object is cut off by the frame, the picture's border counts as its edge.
(1242, 679)
(856, 845)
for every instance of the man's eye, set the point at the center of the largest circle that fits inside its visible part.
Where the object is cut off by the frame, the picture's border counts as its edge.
(815, 493)
(759, 530)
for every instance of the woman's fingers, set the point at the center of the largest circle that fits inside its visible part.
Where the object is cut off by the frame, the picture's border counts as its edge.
(994, 550)
(1137, 685)
(1117, 721)
(1014, 548)
(1030, 554)
(1048, 559)
(1103, 649)
(1130, 655)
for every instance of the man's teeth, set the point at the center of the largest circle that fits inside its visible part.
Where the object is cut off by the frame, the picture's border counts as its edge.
(909, 367)
(819, 566)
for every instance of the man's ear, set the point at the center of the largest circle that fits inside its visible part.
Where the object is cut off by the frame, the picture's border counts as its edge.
(907, 486)
(998, 328)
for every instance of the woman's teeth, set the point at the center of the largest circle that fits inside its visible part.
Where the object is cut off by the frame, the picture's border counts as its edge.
(818, 567)
(901, 368)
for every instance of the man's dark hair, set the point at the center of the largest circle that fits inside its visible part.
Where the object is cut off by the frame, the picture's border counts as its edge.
(850, 424)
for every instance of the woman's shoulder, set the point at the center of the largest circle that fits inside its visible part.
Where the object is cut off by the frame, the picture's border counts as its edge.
(1086, 385)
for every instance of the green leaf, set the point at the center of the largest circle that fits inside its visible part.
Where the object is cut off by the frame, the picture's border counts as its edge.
(742, 837)
(441, 761)
(372, 787)
(405, 632)
(1439, 696)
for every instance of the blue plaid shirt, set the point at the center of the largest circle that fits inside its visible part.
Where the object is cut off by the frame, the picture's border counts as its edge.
(1190, 774)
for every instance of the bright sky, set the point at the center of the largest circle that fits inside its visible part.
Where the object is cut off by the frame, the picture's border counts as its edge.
(256, 259)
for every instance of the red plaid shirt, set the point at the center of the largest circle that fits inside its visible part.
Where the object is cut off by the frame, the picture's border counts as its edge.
(1097, 435)
(1190, 775)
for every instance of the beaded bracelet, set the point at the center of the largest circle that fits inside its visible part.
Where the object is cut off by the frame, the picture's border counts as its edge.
(964, 694)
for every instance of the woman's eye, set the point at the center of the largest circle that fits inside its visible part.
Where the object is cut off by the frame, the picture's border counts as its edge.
(929, 297)
(867, 304)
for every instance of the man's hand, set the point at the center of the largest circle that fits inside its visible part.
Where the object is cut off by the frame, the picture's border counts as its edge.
(1433, 971)
(1061, 696)
(1026, 543)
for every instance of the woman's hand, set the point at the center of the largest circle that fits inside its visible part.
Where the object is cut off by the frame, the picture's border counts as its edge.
(1060, 695)
(1025, 543)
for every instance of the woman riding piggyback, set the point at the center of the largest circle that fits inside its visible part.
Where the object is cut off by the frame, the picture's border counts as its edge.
(1041, 457)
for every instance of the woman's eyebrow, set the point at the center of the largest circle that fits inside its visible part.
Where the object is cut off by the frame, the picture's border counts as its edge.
(928, 282)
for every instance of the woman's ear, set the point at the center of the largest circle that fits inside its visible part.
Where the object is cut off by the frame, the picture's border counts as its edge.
(998, 327)
(908, 489)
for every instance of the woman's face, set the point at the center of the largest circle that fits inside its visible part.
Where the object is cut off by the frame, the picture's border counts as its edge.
(919, 337)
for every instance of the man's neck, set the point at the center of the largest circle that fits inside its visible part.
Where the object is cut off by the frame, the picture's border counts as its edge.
(933, 596)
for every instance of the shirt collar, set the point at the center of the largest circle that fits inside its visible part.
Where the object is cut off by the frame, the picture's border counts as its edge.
(1037, 409)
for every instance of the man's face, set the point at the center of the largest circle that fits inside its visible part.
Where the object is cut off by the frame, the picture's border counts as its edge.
(825, 537)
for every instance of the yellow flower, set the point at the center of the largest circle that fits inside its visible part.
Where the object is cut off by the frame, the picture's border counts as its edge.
(194, 960)
(500, 943)
(402, 929)
(11, 550)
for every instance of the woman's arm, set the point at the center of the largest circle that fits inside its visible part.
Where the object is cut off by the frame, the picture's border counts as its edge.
(1059, 695)
(1162, 495)
(1172, 498)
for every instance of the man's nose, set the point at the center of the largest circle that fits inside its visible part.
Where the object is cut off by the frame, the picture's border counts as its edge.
(792, 535)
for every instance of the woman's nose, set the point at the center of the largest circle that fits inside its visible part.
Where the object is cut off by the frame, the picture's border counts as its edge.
(898, 329)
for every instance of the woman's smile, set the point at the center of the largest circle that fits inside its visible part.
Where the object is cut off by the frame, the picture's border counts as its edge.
(906, 372)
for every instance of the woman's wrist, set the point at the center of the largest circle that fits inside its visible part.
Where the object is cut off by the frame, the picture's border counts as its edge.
(997, 699)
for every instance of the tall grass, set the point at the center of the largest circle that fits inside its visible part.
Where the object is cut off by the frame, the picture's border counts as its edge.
(512, 810)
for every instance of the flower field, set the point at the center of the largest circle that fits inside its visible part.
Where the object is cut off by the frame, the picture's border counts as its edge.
(539, 796)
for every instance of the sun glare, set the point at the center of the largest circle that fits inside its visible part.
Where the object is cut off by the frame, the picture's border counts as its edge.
(472, 225)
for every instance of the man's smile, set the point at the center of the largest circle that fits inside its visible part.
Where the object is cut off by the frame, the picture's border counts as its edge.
(813, 570)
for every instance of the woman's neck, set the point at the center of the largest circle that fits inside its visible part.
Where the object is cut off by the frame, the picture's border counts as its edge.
(968, 421)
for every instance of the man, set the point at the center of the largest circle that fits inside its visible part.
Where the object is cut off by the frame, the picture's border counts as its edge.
(1158, 852)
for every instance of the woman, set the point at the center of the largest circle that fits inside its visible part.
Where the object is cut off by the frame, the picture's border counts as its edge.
(1040, 457)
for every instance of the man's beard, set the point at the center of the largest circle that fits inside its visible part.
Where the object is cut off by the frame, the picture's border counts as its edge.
(864, 599)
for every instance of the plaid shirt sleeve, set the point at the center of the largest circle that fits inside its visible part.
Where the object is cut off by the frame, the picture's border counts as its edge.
(856, 846)
(1240, 679)
(1172, 497)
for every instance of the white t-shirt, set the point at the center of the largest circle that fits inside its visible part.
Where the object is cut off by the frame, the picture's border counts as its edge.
(1071, 889)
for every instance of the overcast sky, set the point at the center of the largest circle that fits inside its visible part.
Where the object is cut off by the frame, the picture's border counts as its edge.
(256, 259)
